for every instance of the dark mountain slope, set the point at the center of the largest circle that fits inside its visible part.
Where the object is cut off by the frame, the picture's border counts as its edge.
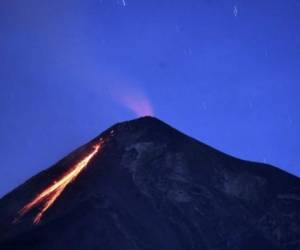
(152, 187)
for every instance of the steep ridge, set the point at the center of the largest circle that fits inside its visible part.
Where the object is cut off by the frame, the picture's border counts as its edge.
(152, 187)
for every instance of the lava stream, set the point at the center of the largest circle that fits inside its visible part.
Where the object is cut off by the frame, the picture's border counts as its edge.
(49, 195)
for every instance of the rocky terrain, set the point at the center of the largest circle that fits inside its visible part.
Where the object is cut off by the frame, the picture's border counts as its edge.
(152, 187)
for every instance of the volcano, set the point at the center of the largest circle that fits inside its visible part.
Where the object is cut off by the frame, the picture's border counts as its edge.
(144, 185)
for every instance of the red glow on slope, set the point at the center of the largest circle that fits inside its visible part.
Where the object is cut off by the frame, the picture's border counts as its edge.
(49, 195)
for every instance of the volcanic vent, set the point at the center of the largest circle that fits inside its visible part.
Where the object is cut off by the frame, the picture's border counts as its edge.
(143, 185)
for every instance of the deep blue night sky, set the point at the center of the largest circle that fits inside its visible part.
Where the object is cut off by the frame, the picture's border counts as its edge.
(225, 72)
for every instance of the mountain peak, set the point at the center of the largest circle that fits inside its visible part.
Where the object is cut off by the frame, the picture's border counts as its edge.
(142, 123)
(141, 175)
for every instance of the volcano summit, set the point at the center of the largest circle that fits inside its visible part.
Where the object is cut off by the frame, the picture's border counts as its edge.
(144, 185)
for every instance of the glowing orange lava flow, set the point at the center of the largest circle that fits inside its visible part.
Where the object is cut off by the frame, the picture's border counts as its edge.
(51, 193)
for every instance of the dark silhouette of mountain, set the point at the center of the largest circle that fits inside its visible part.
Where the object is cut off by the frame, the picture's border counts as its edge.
(151, 187)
